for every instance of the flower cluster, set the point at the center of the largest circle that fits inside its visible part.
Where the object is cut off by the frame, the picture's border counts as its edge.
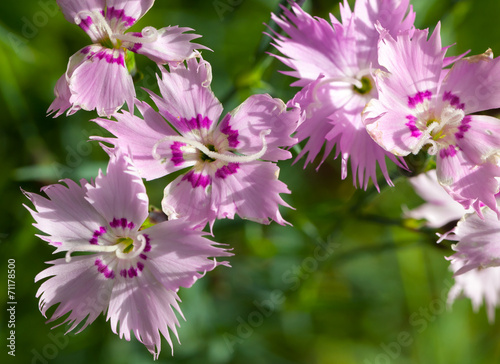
(372, 86)
(375, 87)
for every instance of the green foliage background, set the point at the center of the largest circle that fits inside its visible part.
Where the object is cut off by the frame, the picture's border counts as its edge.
(378, 297)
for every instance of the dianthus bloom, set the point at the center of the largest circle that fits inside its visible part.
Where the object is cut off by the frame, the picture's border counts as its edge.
(439, 208)
(228, 165)
(132, 273)
(97, 76)
(480, 284)
(421, 107)
(332, 63)
(476, 262)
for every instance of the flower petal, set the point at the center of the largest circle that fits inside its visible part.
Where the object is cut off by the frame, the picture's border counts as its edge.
(256, 114)
(138, 137)
(414, 64)
(357, 146)
(478, 285)
(439, 208)
(102, 82)
(395, 16)
(181, 254)
(318, 102)
(390, 126)
(122, 14)
(475, 81)
(186, 96)
(466, 182)
(120, 193)
(146, 308)
(479, 138)
(65, 216)
(170, 45)
(313, 46)
(79, 288)
(190, 196)
(72, 9)
(63, 95)
(250, 190)
(478, 239)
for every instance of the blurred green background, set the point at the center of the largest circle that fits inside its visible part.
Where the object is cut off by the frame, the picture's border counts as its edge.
(350, 282)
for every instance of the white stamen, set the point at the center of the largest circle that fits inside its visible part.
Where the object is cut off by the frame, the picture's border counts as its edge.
(427, 139)
(149, 35)
(85, 247)
(231, 158)
(98, 20)
(120, 254)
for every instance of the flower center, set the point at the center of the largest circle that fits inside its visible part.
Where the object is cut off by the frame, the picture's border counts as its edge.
(206, 158)
(366, 86)
(209, 153)
(438, 131)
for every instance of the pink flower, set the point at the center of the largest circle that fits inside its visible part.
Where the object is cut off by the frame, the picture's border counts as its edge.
(420, 105)
(332, 63)
(228, 165)
(439, 208)
(478, 241)
(480, 284)
(97, 76)
(132, 273)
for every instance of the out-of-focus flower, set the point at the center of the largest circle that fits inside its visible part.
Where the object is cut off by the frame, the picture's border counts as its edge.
(439, 208)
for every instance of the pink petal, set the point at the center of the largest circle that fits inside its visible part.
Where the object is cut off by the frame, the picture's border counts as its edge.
(120, 193)
(78, 286)
(62, 90)
(256, 114)
(394, 16)
(65, 216)
(478, 285)
(479, 137)
(439, 208)
(478, 239)
(63, 95)
(72, 9)
(142, 305)
(172, 45)
(138, 137)
(357, 146)
(318, 102)
(186, 95)
(190, 196)
(181, 254)
(250, 190)
(122, 14)
(475, 81)
(414, 64)
(102, 82)
(313, 46)
(466, 182)
(389, 126)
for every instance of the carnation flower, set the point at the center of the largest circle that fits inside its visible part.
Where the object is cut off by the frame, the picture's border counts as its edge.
(423, 107)
(333, 63)
(132, 273)
(227, 165)
(479, 285)
(97, 76)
